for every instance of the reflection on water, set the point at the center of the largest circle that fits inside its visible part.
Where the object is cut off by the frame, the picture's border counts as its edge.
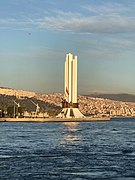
(71, 126)
(71, 134)
(71, 138)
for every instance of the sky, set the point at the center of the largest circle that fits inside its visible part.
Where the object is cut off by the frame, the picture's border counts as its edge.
(36, 35)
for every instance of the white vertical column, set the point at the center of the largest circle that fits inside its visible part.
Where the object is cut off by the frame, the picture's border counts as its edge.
(66, 77)
(70, 59)
(74, 82)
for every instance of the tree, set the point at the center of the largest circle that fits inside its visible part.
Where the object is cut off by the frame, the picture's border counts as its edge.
(10, 111)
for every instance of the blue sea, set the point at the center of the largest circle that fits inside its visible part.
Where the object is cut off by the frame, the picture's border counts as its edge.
(68, 151)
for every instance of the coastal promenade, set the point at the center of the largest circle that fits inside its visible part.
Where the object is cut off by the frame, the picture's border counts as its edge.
(86, 119)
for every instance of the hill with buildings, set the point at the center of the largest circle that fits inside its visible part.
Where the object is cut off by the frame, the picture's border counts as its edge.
(26, 102)
(51, 103)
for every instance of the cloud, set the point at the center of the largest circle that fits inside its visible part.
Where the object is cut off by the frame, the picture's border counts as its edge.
(109, 8)
(107, 18)
(97, 18)
(122, 10)
(90, 24)
(13, 24)
(13, 21)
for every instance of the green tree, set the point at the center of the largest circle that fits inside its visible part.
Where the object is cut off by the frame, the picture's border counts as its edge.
(10, 111)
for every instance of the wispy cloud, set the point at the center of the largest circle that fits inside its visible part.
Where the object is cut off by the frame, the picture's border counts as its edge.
(102, 18)
(90, 24)
(109, 8)
(13, 21)
(107, 18)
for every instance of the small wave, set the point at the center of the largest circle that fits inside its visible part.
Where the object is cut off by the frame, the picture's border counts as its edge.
(5, 156)
(127, 151)
(71, 138)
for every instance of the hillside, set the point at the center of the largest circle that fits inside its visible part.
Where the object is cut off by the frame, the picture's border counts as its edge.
(17, 93)
(7, 103)
(117, 97)
(90, 106)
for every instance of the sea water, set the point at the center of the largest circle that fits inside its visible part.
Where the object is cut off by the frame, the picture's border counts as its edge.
(71, 151)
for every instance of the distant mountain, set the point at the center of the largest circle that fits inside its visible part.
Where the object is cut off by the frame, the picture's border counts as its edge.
(117, 97)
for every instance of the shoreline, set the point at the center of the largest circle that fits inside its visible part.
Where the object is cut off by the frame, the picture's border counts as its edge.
(53, 119)
(57, 120)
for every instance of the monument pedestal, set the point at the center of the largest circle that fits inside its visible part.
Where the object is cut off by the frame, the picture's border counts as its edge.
(70, 113)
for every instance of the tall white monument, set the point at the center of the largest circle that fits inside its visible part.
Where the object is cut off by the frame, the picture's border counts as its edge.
(70, 103)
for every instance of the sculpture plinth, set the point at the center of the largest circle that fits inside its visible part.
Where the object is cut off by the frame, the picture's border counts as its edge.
(65, 104)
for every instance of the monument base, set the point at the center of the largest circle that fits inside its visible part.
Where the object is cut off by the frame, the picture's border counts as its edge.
(70, 113)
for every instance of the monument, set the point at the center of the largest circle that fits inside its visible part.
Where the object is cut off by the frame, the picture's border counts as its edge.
(70, 102)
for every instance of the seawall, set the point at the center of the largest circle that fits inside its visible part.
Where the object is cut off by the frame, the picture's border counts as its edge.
(87, 119)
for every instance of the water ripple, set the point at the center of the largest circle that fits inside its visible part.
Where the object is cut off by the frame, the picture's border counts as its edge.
(73, 151)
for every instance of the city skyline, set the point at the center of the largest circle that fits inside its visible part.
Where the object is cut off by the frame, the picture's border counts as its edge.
(36, 36)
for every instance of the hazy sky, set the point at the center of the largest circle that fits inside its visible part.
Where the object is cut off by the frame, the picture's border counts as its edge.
(35, 36)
